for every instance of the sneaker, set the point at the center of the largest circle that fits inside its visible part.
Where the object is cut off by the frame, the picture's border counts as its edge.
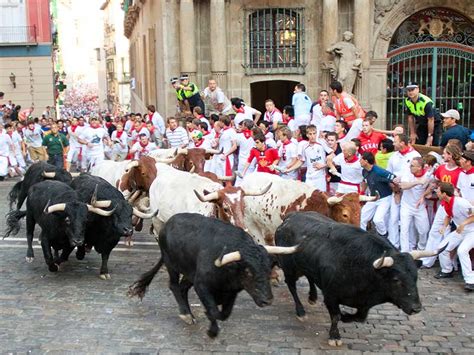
(469, 287)
(444, 275)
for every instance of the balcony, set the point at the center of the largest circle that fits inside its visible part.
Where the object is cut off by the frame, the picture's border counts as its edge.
(18, 35)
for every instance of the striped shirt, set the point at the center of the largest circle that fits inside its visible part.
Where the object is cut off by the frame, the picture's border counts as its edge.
(177, 138)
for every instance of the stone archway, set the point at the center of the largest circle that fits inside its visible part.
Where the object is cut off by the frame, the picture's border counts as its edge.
(280, 91)
(389, 15)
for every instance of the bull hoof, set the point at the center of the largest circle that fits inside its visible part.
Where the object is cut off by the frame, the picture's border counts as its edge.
(311, 302)
(105, 276)
(53, 267)
(29, 259)
(302, 318)
(188, 319)
(129, 242)
(335, 342)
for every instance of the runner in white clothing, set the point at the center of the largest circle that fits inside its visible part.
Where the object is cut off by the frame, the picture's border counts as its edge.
(6, 149)
(227, 142)
(143, 147)
(19, 148)
(466, 178)
(351, 170)
(245, 143)
(272, 115)
(413, 184)
(94, 137)
(314, 155)
(75, 148)
(288, 153)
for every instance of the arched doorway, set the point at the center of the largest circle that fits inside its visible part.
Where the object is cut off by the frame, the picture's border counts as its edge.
(433, 47)
(280, 91)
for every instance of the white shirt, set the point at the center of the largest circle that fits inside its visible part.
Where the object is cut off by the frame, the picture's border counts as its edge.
(410, 197)
(142, 151)
(135, 136)
(249, 112)
(123, 139)
(94, 137)
(227, 137)
(462, 209)
(73, 143)
(158, 122)
(16, 140)
(354, 131)
(399, 164)
(273, 117)
(269, 140)
(239, 118)
(350, 172)
(314, 153)
(245, 145)
(5, 144)
(328, 123)
(33, 138)
(317, 115)
(287, 152)
(217, 97)
(466, 186)
(178, 138)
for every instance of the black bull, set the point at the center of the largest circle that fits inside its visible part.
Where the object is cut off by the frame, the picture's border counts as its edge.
(215, 257)
(350, 266)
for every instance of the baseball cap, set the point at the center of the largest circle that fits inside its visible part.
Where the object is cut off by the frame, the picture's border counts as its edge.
(451, 113)
(184, 77)
(196, 134)
(174, 80)
(411, 85)
(469, 155)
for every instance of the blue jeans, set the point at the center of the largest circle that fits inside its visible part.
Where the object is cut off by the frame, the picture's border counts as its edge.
(56, 160)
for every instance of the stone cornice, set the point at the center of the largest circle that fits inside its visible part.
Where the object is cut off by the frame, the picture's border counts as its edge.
(130, 20)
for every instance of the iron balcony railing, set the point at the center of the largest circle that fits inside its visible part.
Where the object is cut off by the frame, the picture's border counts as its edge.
(17, 35)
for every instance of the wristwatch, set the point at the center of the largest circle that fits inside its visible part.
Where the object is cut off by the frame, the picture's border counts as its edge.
(430, 134)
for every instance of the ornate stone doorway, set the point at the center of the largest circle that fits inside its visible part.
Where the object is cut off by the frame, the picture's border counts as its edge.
(433, 47)
(280, 91)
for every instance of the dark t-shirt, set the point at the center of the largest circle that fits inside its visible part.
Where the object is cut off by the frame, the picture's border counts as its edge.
(455, 132)
(378, 181)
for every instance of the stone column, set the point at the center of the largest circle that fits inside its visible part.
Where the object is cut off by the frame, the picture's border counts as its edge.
(377, 95)
(362, 29)
(187, 38)
(219, 43)
(330, 23)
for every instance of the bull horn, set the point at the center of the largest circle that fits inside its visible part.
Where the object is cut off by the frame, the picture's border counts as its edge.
(99, 211)
(228, 178)
(363, 198)
(193, 168)
(281, 250)
(258, 193)
(181, 151)
(384, 261)
(102, 203)
(136, 194)
(165, 160)
(334, 200)
(228, 258)
(59, 207)
(207, 198)
(214, 151)
(131, 165)
(417, 254)
(143, 215)
(49, 174)
(94, 195)
(75, 175)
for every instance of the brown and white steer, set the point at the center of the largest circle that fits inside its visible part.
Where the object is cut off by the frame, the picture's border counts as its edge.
(175, 191)
(263, 214)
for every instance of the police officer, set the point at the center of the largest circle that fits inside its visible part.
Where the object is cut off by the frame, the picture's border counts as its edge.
(182, 101)
(423, 121)
(191, 93)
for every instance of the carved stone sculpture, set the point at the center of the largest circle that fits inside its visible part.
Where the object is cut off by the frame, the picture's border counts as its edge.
(346, 65)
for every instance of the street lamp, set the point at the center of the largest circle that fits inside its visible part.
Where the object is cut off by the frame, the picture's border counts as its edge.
(13, 80)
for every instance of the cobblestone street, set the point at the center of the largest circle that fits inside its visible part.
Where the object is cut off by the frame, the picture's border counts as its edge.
(73, 310)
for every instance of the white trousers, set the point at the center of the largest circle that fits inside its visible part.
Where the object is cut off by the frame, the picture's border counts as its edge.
(73, 154)
(394, 220)
(376, 210)
(464, 242)
(317, 183)
(418, 217)
(434, 237)
(3, 166)
(93, 161)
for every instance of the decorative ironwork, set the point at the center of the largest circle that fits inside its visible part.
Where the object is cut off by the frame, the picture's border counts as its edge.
(275, 41)
(434, 24)
(445, 74)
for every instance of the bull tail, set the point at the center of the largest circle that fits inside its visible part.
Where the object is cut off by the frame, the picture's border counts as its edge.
(139, 287)
(14, 193)
(13, 222)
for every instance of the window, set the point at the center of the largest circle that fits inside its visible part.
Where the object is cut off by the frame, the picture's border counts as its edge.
(275, 40)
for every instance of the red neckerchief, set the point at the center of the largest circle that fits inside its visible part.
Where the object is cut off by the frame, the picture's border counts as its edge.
(470, 171)
(198, 144)
(353, 160)
(421, 173)
(73, 128)
(31, 129)
(285, 143)
(190, 130)
(151, 130)
(139, 128)
(270, 114)
(81, 124)
(286, 121)
(406, 150)
(206, 133)
(201, 116)
(240, 110)
(247, 133)
(108, 124)
(217, 135)
(226, 128)
(144, 146)
(95, 126)
(119, 134)
(448, 206)
(341, 137)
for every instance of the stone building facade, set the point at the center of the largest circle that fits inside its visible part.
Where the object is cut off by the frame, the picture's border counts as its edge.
(259, 49)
